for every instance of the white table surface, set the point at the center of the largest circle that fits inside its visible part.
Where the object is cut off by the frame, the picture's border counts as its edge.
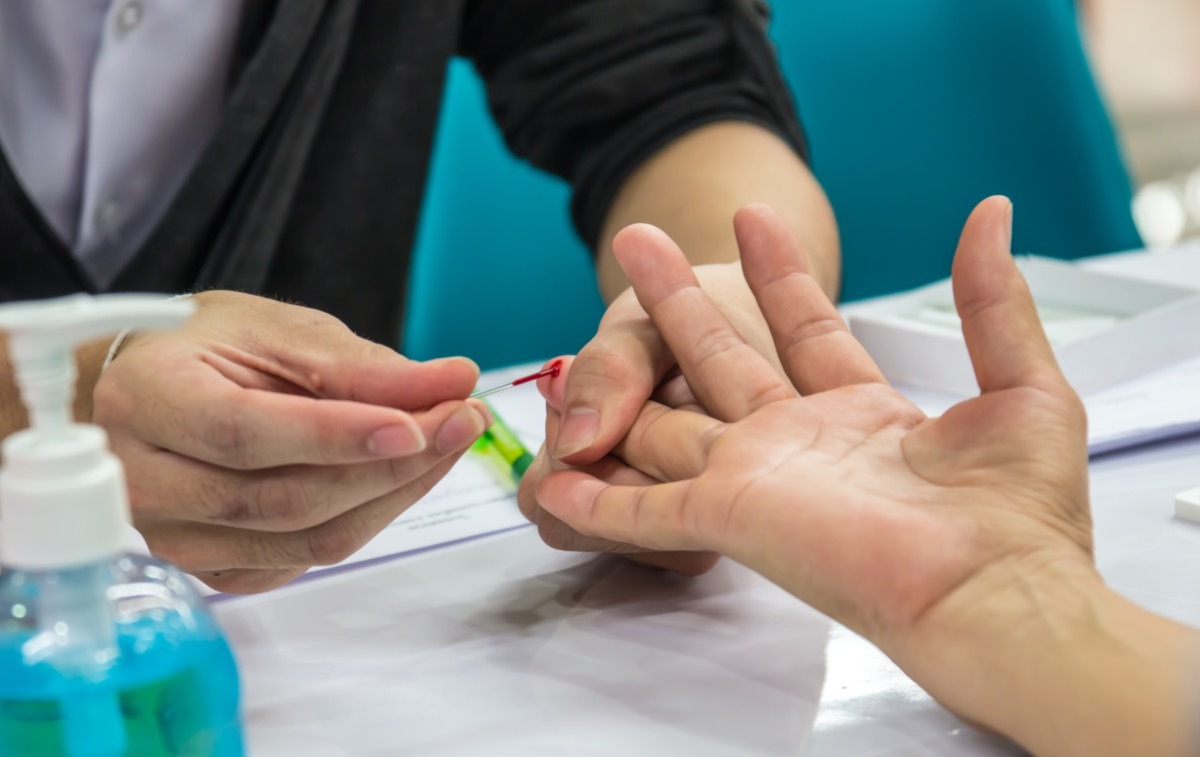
(502, 646)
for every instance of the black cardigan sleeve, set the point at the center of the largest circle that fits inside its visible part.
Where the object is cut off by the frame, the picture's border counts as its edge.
(588, 89)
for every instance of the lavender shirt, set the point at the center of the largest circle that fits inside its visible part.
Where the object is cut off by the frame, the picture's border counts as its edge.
(105, 105)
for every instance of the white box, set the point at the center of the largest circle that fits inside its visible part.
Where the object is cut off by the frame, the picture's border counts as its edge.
(1187, 505)
(1105, 328)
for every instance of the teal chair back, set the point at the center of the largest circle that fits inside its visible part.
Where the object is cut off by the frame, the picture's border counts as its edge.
(498, 272)
(916, 110)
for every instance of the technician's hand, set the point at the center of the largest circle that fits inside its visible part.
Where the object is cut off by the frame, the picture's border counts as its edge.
(264, 438)
(912, 531)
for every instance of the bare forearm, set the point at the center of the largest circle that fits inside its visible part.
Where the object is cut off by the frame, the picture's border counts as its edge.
(1122, 683)
(1068, 667)
(692, 188)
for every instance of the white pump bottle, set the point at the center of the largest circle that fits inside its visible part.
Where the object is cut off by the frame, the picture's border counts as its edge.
(86, 630)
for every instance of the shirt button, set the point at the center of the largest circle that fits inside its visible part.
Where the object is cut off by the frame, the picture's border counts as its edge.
(106, 218)
(129, 17)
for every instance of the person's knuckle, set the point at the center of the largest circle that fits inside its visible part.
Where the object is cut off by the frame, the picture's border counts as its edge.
(367, 353)
(978, 304)
(142, 493)
(557, 534)
(641, 437)
(112, 401)
(326, 441)
(285, 500)
(767, 392)
(675, 392)
(375, 351)
(176, 551)
(716, 342)
(228, 435)
(217, 498)
(810, 331)
(396, 473)
(423, 484)
(331, 543)
(887, 399)
(602, 362)
(709, 436)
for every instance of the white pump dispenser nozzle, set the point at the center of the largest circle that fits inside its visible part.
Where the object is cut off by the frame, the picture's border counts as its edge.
(62, 493)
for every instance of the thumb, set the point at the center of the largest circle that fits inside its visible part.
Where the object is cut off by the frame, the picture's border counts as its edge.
(553, 388)
(1004, 334)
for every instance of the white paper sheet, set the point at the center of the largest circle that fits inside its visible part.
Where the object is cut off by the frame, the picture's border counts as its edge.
(1163, 405)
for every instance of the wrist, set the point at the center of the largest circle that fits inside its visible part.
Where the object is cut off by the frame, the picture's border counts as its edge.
(90, 360)
(1053, 658)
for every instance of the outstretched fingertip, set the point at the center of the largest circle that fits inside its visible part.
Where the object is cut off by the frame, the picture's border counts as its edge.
(985, 246)
(1000, 321)
(553, 387)
(752, 221)
(647, 254)
(767, 246)
(630, 240)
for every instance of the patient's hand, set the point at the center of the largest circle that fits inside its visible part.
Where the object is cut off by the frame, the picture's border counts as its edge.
(610, 469)
(834, 486)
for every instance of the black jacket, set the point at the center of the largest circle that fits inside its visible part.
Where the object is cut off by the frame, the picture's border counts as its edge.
(310, 188)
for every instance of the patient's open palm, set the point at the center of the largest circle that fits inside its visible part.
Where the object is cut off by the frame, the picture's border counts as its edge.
(834, 485)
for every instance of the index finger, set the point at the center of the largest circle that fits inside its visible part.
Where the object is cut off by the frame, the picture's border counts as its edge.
(816, 348)
(221, 423)
(730, 378)
(319, 353)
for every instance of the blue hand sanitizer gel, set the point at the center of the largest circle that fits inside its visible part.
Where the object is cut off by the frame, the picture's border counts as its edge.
(102, 653)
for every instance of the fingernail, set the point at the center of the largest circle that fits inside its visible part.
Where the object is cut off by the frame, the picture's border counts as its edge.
(484, 411)
(397, 440)
(578, 430)
(459, 430)
(453, 361)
